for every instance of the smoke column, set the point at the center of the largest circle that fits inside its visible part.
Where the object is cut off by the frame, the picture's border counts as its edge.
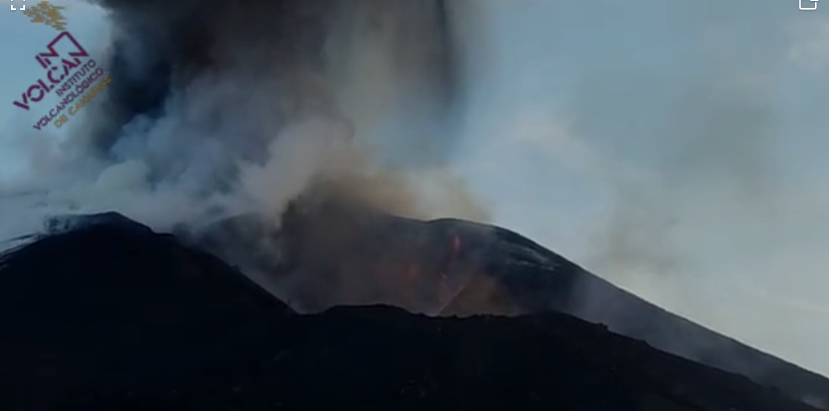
(223, 108)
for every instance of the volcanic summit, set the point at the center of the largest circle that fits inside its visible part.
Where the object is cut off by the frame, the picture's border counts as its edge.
(102, 313)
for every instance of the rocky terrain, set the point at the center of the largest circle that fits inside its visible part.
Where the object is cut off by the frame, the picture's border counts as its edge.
(108, 315)
(332, 255)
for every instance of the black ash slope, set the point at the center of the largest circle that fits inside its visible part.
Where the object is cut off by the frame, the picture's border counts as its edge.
(113, 316)
(464, 268)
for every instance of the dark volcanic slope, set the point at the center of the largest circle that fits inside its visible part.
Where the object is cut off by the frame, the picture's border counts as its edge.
(454, 267)
(113, 316)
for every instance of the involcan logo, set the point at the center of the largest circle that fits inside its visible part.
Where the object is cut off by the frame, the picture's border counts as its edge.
(69, 71)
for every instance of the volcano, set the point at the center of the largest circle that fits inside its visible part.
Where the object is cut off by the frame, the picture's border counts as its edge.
(102, 313)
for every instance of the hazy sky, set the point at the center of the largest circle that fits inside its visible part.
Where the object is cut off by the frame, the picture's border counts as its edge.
(675, 148)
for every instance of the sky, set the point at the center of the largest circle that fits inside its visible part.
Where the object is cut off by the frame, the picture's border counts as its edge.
(675, 148)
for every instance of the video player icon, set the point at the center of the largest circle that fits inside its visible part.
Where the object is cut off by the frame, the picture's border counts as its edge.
(813, 7)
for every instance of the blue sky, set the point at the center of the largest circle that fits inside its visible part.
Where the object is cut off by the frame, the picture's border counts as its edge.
(676, 148)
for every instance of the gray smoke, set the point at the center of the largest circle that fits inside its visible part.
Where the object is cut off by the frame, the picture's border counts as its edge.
(218, 108)
(204, 85)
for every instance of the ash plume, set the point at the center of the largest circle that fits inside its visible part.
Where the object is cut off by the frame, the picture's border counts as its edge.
(229, 108)
(207, 85)
(288, 58)
(219, 109)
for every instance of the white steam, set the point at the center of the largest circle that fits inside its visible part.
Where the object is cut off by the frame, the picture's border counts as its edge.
(346, 124)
